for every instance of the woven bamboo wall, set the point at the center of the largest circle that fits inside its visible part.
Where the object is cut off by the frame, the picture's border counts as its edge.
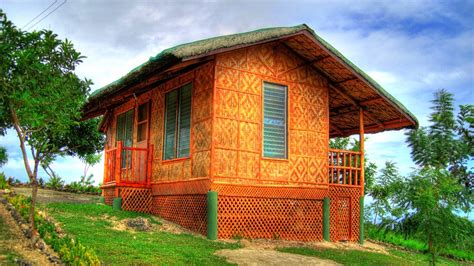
(237, 136)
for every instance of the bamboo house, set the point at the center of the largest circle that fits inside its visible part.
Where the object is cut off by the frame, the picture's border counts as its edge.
(229, 136)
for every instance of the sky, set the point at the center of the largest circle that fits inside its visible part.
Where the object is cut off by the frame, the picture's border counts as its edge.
(412, 48)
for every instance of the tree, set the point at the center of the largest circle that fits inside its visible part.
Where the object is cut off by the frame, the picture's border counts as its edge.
(443, 183)
(41, 99)
(3, 156)
(383, 189)
(89, 161)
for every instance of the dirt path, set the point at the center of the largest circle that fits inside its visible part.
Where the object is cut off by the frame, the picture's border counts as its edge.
(250, 256)
(13, 244)
(263, 252)
(48, 196)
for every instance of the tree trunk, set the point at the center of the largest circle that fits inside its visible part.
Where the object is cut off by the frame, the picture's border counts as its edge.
(34, 193)
(430, 248)
(32, 174)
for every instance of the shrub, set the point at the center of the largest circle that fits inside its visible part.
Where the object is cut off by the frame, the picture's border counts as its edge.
(55, 182)
(70, 250)
(3, 181)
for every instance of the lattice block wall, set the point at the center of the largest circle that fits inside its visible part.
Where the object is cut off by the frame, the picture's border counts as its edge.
(108, 194)
(344, 213)
(136, 199)
(189, 211)
(290, 219)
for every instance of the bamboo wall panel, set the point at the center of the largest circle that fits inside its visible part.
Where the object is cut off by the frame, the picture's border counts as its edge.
(237, 138)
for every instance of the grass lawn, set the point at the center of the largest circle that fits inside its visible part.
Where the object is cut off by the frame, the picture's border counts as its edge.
(90, 224)
(357, 257)
(7, 255)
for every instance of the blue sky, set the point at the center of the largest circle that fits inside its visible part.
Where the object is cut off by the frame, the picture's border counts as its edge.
(412, 48)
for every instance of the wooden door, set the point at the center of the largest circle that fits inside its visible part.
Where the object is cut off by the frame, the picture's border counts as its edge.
(142, 129)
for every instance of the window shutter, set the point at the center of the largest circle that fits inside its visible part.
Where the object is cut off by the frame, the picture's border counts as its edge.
(184, 121)
(127, 142)
(274, 121)
(171, 99)
(120, 127)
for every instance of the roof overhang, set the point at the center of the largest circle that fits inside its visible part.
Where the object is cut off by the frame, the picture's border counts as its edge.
(350, 89)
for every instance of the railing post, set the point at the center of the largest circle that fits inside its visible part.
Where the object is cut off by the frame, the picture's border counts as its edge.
(118, 162)
(149, 164)
(105, 179)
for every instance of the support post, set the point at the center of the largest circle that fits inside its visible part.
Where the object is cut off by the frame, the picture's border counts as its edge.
(212, 215)
(118, 163)
(102, 199)
(117, 204)
(149, 164)
(326, 219)
(362, 153)
(361, 221)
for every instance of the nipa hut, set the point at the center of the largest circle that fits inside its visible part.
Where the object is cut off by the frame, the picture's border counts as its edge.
(229, 136)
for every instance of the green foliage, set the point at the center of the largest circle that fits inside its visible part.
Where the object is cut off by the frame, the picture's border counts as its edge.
(85, 185)
(358, 257)
(3, 156)
(55, 182)
(461, 251)
(70, 250)
(93, 225)
(3, 181)
(41, 98)
(423, 206)
(382, 190)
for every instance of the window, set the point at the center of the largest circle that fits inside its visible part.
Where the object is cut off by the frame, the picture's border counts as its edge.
(274, 121)
(142, 122)
(177, 123)
(125, 133)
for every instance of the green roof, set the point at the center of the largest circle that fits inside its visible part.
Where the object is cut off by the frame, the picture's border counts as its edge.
(177, 53)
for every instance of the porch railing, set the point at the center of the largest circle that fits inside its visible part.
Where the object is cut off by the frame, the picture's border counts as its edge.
(345, 167)
(128, 165)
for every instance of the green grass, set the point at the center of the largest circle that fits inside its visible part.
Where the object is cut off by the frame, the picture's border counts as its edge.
(7, 255)
(91, 225)
(415, 244)
(358, 257)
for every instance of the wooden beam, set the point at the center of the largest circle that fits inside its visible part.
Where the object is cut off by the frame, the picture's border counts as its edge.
(361, 148)
(339, 131)
(344, 94)
(346, 80)
(390, 125)
(350, 107)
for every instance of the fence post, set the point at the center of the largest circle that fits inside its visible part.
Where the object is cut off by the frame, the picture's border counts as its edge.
(326, 219)
(212, 215)
(118, 163)
(361, 221)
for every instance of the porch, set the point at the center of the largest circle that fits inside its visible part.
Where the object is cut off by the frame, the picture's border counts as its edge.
(132, 166)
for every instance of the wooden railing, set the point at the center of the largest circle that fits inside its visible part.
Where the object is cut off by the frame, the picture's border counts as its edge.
(345, 167)
(128, 165)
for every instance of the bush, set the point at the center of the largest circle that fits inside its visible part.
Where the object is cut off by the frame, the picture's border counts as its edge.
(70, 250)
(3, 181)
(55, 182)
(460, 252)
